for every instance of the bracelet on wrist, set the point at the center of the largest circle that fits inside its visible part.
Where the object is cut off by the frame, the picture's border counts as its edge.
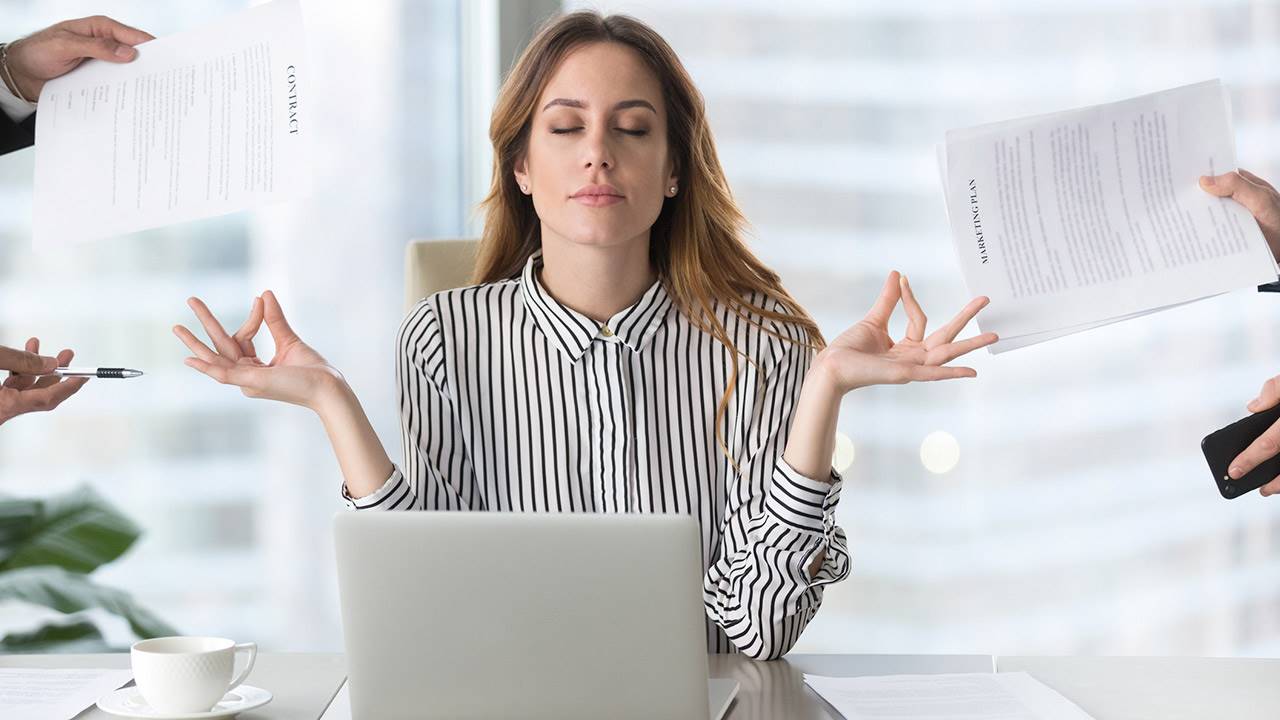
(8, 75)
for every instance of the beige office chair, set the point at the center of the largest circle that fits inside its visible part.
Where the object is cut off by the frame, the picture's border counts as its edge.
(434, 265)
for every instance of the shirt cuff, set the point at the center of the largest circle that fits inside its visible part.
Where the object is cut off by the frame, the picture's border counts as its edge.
(801, 502)
(15, 107)
(388, 497)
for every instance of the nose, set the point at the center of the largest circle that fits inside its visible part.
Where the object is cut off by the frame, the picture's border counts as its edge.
(597, 152)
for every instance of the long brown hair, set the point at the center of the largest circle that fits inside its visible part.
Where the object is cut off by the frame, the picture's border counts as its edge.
(696, 243)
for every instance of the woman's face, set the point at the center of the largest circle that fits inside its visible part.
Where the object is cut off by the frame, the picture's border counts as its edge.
(597, 163)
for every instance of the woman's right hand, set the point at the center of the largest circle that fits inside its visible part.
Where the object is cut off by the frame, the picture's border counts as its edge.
(297, 374)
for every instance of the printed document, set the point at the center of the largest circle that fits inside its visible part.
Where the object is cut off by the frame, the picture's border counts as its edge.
(54, 694)
(994, 696)
(1077, 219)
(201, 123)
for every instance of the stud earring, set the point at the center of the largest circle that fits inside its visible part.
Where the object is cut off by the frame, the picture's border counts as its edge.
(524, 188)
(673, 189)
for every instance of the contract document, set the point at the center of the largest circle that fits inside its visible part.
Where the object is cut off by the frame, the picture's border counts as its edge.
(994, 696)
(1073, 220)
(201, 123)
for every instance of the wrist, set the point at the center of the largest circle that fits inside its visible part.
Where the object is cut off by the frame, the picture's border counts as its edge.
(333, 397)
(19, 83)
(824, 378)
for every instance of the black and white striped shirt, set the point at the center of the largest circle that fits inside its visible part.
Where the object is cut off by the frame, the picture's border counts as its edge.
(511, 401)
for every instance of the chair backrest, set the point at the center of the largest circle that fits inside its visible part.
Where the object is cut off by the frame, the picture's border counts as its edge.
(434, 265)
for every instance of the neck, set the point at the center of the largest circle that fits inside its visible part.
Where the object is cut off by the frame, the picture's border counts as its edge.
(598, 282)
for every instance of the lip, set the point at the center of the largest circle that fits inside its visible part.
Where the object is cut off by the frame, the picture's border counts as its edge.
(597, 195)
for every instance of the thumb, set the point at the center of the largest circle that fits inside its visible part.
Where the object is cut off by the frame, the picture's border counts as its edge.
(100, 48)
(274, 316)
(28, 363)
(1256, 198)
(1267, 398)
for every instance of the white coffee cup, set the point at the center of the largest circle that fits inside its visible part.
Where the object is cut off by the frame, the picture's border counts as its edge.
(187, 674)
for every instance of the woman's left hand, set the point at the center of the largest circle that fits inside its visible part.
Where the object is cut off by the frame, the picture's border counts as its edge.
(865, 354)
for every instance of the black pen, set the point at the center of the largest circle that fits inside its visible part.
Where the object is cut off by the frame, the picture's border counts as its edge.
(97, 372)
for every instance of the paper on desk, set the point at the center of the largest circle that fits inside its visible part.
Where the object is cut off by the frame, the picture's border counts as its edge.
(54, 694)
(200, 123)
(979, 696)
(1074, 220)
(340, 707)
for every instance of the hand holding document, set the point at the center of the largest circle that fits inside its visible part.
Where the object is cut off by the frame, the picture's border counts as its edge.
(996, 696)
(201, 123)
(1073, 220)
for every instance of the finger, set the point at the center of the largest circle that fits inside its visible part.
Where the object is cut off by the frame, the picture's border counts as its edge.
(944, 354)
(20, 361)
(44, 399)
(19, 381)
(197, 348)
(916, 319)
(1255, 179)
(274, 315)
(226, 346)
(888, 300)
(64, 360)
(75, 46)
(1271, 488)
(1255, 198)
(1268, 396)
(929, 373)
(947, 333)
(244, 336)
(1258, 452)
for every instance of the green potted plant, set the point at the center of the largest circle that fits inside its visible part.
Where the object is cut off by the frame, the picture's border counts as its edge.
(48, 548)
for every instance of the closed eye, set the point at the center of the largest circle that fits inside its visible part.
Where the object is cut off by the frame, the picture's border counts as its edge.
(633, 133)
(564, 131)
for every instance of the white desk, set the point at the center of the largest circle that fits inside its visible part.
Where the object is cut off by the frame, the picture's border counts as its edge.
(302, 683)
(1108, 688)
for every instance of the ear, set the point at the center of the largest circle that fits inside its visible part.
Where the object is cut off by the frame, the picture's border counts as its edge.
(521, 172)
(673, 180)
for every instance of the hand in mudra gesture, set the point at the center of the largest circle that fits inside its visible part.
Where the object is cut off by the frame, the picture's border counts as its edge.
(865, 354)
(297, 374)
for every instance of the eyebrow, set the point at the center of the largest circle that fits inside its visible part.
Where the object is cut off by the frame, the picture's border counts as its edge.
(570, 102)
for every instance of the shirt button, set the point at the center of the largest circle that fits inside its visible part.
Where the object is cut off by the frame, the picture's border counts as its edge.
(605, 331)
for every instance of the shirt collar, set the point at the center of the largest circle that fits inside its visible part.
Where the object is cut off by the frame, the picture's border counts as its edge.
(572, 332)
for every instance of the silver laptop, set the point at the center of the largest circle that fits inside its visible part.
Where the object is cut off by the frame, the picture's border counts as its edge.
(530, 615)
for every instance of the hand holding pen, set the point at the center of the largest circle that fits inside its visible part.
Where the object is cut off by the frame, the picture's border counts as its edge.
(38, 383)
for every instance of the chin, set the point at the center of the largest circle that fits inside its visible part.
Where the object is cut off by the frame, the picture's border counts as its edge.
(601, 235)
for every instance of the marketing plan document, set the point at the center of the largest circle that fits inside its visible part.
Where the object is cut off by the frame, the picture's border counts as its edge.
(201, 123)
(994, 696)
(1077, 219)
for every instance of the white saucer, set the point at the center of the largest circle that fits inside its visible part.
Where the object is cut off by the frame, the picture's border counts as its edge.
(128, 702)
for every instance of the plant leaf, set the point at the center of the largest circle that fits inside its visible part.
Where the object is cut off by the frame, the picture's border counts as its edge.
(69, 592)
(16, 518)
(72, 635)
(78, 531)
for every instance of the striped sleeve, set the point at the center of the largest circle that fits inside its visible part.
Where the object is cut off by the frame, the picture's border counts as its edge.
(759, 589)
(435, 466)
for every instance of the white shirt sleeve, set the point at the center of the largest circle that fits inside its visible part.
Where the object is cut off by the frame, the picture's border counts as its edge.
(15, 107)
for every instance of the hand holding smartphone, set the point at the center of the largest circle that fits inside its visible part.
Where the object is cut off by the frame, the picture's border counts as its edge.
(1222, 446)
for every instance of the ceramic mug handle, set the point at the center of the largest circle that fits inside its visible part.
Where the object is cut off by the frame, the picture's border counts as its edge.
(252, 649)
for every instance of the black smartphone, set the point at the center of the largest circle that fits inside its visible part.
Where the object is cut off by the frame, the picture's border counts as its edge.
(1222, 446)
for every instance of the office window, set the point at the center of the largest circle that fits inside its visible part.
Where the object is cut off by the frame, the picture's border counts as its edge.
(1080, 516)
(235, 495)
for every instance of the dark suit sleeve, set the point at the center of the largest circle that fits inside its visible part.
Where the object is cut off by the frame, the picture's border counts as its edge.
(15, 136)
